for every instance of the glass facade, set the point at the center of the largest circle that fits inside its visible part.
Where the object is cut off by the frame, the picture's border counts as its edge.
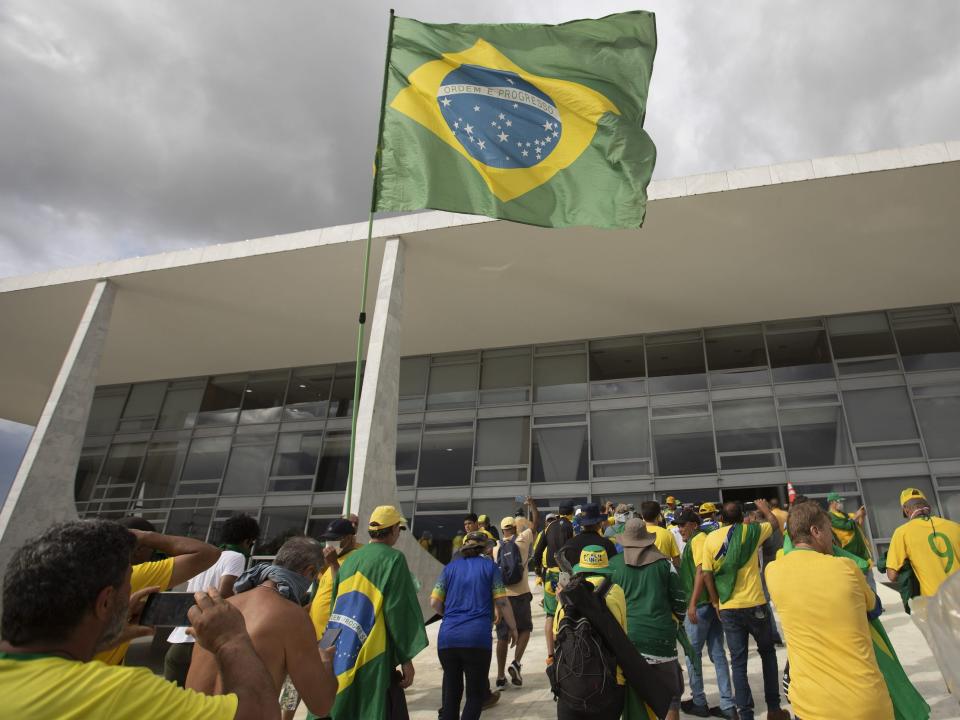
(864, 404)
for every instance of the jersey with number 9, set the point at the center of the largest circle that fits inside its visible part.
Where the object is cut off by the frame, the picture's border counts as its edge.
(932, 545)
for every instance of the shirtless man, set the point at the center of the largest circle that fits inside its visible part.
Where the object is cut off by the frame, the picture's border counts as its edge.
(270, 598)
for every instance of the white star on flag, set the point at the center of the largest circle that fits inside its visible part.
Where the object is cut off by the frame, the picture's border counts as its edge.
(525, 153)
(555, 133)
(476, 108)
(503, 136)
(515, 105)
(502, 116)
(481, 144)
(509, 123)
(469, 129)
(493, 123)
(446, 102)
(548, 125)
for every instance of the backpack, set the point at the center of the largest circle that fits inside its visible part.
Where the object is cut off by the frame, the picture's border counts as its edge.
(510, 562)
(584, 670)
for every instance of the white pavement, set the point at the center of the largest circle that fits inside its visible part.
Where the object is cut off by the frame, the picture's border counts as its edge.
(535, 701)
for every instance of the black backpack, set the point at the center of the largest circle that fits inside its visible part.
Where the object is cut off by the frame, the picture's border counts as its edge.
(510, 562)
(584, 670)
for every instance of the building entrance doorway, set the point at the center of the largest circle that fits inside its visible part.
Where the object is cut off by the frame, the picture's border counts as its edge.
(749, 494)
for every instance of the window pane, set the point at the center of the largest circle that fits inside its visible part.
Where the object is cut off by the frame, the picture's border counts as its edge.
(263, 397)
(683, 446)
(868, 366)
(732, 348)
(446, 455)
(928, 339)
(940, 425)
(560, 454)
(505, 377)
(882, 498)
(879, 414)
(189, 523)
(206, 459)
(249, 464)
(619, 434)
(105, 410)
(814, 437)
(560, 377)
(617, 359)
(221, 401)
(161, 468)
(503, 441)
(309, 394)
(889, 452)
(516, 476)
(860, 335)
(297, 454)
(334, 462)
(341, 397)
(181, 405)
(413, 383)
(746, 425)
(452, 386)
(142, 407)
(951, 505)
(88, 468)
(277, 525)
(408, 447)
(620, 469)
(675, 362)
(122, 465)
(800, 355)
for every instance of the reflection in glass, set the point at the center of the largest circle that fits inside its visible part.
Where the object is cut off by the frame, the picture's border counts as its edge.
(334, 462)
(142, 406)
(446, 455)
(206, 458)
(560, 377)
(882, 498)
(683, 446)
(263, 397)
(341, 397)
(746, 425)
(443, 527)
(413, 382)
(879, 414)
(928, 338)
(452, 386)
(736, 356)
(308, 396)
(675, 362)
(408, 453)
(559, 454)
(505, 376)
(503, 441)
(105, 410)
(619, 434)
(221, 400)
(122, 465)
(865, 335)
(161, 468)
(277, 525)
(940, 425)
(189, 522)
(88, 468)
(297, 454)
(617, 359)
(799, 355)
(814, 437)
(181, 405)
(249, 464)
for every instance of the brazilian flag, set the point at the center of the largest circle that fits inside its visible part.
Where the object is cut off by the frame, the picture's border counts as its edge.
(538, 124)
(381, 627)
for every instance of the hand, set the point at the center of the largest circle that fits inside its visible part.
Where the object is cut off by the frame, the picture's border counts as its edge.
(330, 556)
(692, 615)
(529, 501)
(133, 629)
(406, 670)
(763, 506)
(326, 654)
(514, 636)
(215, 622)
(860, 514)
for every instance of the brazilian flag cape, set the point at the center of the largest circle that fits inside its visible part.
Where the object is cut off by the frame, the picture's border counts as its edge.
(538, 124)
(739, 548)
(688, 571)
(381, 627)
(857, 544)
(908, 703)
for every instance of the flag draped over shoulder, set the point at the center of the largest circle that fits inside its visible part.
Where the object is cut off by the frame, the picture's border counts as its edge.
(381, 626)
(739, 548)
(539, 124)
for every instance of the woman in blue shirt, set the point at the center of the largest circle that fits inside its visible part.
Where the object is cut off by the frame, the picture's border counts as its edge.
(465, 596)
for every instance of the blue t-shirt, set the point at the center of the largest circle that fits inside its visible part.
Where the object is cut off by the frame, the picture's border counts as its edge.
(468, 588)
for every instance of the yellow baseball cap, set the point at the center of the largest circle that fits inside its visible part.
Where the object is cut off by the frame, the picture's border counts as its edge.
(508, 522)
(911, 494)
(386, 516)
(482, 519)
(593, 559)
(708, 508)
(671, 499)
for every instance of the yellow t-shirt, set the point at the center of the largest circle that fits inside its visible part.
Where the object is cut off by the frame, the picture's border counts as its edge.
(143, 576)
(747, 590)
(665, 542)
(933, 548)
(696, 548)
(823, 603)
(616, 601)
(323, 598)
(781, 516)
(54, 687)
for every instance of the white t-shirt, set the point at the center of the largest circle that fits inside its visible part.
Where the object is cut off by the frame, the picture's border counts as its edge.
(230, 563)
(678, 538)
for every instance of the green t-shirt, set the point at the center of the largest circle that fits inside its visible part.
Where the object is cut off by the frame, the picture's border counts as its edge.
(654, 594)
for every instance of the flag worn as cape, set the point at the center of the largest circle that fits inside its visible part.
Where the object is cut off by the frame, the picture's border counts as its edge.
(739, 548)
(539, 124)
(381, 627)
(857, 545)
(688, 571)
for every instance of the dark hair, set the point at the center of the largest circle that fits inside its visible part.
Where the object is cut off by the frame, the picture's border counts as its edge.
(299, 553)
(134, 522)
(650, 510)
(732, 512)
(799, 499)
(380, 533)
(473, 551)
(802, 517)
(238, 529)
(53, 580)
(565, 508)
(774, 502)
(472, 517)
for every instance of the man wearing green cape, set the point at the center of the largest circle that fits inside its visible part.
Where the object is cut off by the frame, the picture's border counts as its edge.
(848, 532)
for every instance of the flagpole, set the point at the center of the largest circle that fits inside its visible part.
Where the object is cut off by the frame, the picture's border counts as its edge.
(362, 319)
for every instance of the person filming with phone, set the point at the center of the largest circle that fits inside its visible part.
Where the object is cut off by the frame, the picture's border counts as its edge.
(66, 595)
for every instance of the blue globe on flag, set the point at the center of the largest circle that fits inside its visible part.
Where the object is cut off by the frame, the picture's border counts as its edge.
(498, 117)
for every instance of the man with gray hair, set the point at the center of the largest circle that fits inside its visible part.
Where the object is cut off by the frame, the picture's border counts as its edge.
(271, 598)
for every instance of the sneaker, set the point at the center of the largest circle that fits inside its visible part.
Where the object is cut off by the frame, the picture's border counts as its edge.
(719, 712)
(492, 699)
(515, 677)
(501, 683)
(778, 714)
(691, 708)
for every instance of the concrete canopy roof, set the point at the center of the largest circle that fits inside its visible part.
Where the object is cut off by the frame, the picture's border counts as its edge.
(839, 234)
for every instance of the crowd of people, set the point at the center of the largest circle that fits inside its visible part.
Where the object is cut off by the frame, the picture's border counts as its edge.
(336, 624)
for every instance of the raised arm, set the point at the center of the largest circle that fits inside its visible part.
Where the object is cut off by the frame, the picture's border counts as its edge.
(190, 557)
(534, 513)
(219, 628)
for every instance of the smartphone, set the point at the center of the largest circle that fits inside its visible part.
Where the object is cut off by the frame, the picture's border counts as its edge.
(167, 609)
(749, 506)
(520, 498)
(330, 636)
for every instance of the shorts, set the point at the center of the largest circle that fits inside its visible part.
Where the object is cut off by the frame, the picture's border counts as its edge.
(550, 592)
(520, 604)
(289, 697)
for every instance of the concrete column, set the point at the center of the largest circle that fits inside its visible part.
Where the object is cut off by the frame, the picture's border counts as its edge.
(374, 466)
(43, 490)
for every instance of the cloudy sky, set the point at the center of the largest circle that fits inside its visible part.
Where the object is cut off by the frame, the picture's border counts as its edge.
(129, 128)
